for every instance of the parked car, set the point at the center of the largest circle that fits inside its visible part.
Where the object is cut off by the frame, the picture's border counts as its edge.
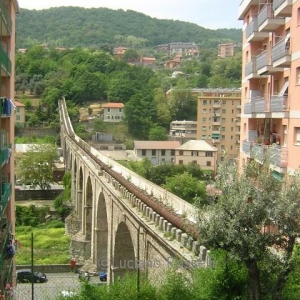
(25, 275)
(103, 276)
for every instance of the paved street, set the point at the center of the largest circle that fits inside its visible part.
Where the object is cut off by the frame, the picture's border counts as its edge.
(57, 282)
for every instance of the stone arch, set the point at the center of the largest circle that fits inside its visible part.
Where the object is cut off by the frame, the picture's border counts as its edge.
(101, 234)
(88, 209)
(124, 258)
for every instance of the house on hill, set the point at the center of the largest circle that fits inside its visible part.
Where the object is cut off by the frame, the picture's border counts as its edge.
(19, 112)
(113, 112)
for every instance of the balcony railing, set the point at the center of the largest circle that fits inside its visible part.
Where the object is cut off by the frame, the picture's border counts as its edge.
(279, 103)
(247, 148)
(277, 156)
(282, 50)
(251, 68)
(277, 3)
(263, 60)
(4, 244)
(4, 60)
(258, 152)
(6, 15)
(264, 14)
(5, 197)
(252, 27)
(249, 107)
(285, 7)
(260, 105)
(4, 155)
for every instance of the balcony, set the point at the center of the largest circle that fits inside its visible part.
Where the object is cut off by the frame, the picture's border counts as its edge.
(4, 155)
(249, 108)
(279, 103)
(260, 105)
(281, 54)
(247, 148)
(251, 70)
(216, 123)
(216, 105)
(267, 21)
(282, 8)
(264, 64)
(6, 17)
(252, 33)
(244, 7)
(258, 152)
(277, 156)
(5, 197)
(4, 60)
(216, 132)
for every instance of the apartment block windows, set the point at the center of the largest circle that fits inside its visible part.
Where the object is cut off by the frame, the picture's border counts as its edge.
(203, 128)
(163, 152)
(223, 128)
(203, 119)
(224, 102)
(208, 163)
(203, 137)
(208, 154)
(194, 153)
(108, 110)
(297, 136)
(298, 74)
(204, 111)
(143, 152)
(153, 153)
(172, 152)
(223, 111)
(180, 152)
(204, 102)
(223, 120)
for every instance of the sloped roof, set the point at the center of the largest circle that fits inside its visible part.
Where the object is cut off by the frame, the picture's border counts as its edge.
(18, 104)
(156, 145)
(113, 105)
(197, 145)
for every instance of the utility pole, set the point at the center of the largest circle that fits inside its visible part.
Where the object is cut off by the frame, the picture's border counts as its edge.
(32, 275)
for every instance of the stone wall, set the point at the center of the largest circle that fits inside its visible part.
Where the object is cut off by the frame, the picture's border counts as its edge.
(21, 195)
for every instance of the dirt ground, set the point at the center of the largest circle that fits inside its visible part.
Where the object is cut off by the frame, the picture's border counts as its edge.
(96, 107)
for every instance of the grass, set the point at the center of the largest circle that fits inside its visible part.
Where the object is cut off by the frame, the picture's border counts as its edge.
(50, 245)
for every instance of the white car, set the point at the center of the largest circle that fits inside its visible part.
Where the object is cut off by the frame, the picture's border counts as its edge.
(67, 294)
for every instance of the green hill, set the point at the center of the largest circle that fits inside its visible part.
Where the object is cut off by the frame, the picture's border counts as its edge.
(95, 27)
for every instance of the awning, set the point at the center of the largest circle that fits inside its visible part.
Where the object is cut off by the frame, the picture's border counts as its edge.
(215, 135)
(277, 175)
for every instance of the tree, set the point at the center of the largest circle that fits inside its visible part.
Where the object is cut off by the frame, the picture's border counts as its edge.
(37, 166)
(157, 133)
(186, 187)
(254, 215)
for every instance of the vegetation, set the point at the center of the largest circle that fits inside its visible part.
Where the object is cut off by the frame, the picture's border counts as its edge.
(256, 221)
(102, 27)
(36, 166)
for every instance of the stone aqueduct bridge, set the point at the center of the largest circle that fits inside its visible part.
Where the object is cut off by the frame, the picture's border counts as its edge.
(122, 222)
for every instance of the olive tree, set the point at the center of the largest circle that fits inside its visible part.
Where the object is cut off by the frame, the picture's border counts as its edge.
(255, 219)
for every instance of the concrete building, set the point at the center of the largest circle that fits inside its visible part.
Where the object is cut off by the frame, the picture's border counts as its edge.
(219, 120)
(113, 112)
(271, 83)
(226, 50)
(183, 130)
(197, 152)
(19, 112)
(8, 9)
(158, 152)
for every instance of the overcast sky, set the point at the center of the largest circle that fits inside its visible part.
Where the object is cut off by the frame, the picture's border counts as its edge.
(211, 14)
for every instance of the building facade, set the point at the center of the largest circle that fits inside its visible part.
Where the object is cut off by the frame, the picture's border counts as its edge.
(158, 152)
(219, 120)
(271, 83)
(197, 152)
(8, 10)
(183, 130)
(113, 112)
(19, 112)
(226, 50)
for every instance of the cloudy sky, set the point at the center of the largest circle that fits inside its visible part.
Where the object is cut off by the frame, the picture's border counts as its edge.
(207, 13)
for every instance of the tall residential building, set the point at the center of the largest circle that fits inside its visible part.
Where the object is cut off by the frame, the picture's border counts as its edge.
(271, 83)
(226, 50)
(8, 10)
(219, 120)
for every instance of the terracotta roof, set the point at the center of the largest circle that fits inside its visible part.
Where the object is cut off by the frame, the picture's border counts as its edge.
(149, 58)
(156, 145)
(113, 105)
(18, 104)
(197, 145)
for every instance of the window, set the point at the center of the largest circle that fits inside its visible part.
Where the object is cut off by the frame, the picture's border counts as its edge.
(163, 152)
(223, 147)
(18, 109)
(204, 111)
(203, 119)
(180, 152)
(120, 109)
(203, 137)
(232, 103)
(18, 117)
(203, 128)
(298, 74)
(232, 111)
(231, 137)
(297, 136)
(223, 111)
(194, 153)
(153, 152)
(223, 128)
(222, 158)
(208, 163)
(224, 102)
(143, 152)
(223, 120)
(208, 154)
(163, 159)
(172, 152)
(108, 110)
(223, 137)
(204, 102)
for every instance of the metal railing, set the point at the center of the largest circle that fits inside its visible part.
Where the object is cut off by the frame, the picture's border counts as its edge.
(252, 27)
(281, 49)
(266, 13)
(263, 60)
(279, 103)
(6, 15)
(5, 197)
(249, 107)
(250, 67)
(247, 147)
(5, 60)
(277, 3)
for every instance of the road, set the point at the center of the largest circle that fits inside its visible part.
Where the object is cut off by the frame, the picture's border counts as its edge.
(57, 282)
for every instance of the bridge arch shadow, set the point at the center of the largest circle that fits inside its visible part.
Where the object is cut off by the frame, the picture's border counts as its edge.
(124, 258)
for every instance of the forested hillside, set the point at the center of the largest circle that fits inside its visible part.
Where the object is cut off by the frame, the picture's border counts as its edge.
(75, 26)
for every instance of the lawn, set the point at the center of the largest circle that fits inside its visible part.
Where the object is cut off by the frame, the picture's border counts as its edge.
(50, 245)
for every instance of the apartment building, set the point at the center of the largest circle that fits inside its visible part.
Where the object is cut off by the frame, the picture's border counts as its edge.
(226, 50)
(8, 10)
(19, 112)
(219, 120)
(271, 83)
(113, 112)
(183, 130)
